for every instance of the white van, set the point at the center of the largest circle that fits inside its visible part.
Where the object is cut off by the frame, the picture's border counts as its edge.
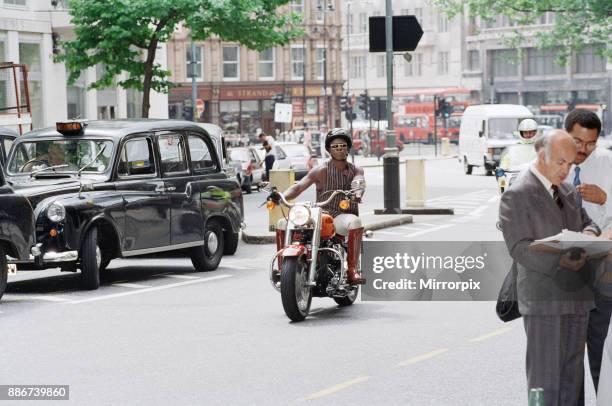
(485, 131)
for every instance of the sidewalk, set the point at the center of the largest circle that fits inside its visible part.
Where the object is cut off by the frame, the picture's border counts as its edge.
(257, 231)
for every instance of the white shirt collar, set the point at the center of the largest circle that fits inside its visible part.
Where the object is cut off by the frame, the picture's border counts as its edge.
(543, 179)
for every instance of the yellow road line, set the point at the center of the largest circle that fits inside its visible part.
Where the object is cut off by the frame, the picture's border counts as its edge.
(423, 357)
(491, 334)
(336, 388)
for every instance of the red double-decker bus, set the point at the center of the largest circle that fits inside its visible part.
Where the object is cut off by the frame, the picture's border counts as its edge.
(414, 120)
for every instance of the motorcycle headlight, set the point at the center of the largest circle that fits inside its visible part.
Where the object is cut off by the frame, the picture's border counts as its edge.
(299, 215)
(56, 212)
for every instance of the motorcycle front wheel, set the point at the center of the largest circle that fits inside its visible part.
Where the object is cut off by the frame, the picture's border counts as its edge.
(295, 292)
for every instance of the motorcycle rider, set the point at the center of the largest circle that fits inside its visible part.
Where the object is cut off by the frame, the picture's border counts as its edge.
(337, 174)
(523, 152)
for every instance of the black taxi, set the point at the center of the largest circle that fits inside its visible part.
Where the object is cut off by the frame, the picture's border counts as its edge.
(122, 188)
(16, 229)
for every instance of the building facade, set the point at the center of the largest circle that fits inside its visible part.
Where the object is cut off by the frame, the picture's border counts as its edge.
(530, 76)
(435, 64)
(28, 29)
(236, 85)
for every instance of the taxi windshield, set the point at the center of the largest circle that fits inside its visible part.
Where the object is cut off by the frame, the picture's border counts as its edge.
(61, 156)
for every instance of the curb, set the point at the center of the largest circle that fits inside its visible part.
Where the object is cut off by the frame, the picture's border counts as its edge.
(373, 226)
(402, 161)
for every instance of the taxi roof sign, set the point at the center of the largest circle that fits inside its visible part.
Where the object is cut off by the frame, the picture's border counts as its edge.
(70, 127)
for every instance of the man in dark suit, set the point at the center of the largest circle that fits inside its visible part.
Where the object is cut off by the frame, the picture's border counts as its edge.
(553, 292)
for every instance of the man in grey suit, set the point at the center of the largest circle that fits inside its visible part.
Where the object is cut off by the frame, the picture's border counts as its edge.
(553, 293)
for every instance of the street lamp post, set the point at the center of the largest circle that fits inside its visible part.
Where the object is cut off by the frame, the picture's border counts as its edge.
(324, 9)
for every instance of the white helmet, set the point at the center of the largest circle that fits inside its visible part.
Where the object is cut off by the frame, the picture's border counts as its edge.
(527, 124)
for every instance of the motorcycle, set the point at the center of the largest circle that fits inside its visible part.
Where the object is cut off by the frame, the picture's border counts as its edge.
(313, 257)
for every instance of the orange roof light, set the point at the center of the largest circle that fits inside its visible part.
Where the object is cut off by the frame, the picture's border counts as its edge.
(70, 127)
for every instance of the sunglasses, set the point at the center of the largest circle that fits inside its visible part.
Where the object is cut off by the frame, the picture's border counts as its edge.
(338, 146)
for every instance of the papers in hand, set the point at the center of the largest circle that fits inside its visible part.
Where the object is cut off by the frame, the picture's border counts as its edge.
(594, 246)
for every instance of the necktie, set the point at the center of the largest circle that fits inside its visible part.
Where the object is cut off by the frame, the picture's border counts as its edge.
(576, 183)
(556, 196)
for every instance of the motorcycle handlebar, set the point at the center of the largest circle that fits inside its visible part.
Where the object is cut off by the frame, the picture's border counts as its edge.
(347, 193)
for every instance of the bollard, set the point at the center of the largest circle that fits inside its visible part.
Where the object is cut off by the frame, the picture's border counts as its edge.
(445, 146)
(415, 183)
(282, 179)
(536, 397)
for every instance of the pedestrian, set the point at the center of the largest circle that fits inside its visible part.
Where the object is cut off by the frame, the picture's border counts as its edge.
(591, 175)
(553, 297)
(268, 159)
(267, 138)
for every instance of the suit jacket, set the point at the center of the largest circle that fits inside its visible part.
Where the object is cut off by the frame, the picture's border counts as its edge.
(527, 213)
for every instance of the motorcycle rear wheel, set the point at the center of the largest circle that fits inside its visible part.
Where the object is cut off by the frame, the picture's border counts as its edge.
(296, 295)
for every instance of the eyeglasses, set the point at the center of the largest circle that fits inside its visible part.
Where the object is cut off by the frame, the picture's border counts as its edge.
(338, 146)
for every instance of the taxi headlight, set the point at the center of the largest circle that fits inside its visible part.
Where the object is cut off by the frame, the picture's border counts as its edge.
(299, 215)
(56, 212)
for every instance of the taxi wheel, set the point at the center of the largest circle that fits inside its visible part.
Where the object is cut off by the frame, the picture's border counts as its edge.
(91, 261)
(230, 245)
(3, 270)
(207, 257)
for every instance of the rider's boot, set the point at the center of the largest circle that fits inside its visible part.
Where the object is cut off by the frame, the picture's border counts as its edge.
(354, 249)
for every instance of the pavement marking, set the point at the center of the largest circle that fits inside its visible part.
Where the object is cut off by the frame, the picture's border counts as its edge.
(153, 289)
(493, 333)
(388, 232)
(336, 388)
(429, 230)
(478, 211)
(131, 285)
(494, 199)
(427, 224)
(422, 357)
(180, 276)
(56, 299)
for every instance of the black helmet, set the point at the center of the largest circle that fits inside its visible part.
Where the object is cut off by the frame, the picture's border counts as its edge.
(338, 133)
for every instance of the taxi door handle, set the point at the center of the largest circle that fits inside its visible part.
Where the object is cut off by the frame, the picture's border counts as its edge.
(170, 189)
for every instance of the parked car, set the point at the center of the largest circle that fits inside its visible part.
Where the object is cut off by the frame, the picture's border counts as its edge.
(16, 229)
(109, 189)
(248, 166)
(291, 155)
(7, 137)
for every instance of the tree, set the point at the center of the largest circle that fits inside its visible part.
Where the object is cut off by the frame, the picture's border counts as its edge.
(576, 22)
(123, 35)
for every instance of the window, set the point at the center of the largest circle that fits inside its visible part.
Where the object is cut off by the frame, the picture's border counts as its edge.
(75, 95)
(442, 23)
(266, 64)
(199, 58)
(29, 54)
(418, 13)
(297, 6)
(297, 62)
(231, 70)
(363, 22)
(351, 24)
(589, 61)
(381, 66)
(357, 67)
(200, 154)
(503, 63)
(172, 153)
(417, 62)
(229, 115)
(542, 62)
(442, 63)
(8, 142)
(137, 158)
(320, 58)
(134, 103)
(473, 60)
(547, 18)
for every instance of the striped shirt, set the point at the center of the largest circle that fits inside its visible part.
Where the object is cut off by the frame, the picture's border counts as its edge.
(337, 180)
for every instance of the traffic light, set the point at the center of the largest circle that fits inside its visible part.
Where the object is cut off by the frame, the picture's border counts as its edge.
(350, 116)
(363, 104)
(277, 98)
(344, 104)
(443, 108)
